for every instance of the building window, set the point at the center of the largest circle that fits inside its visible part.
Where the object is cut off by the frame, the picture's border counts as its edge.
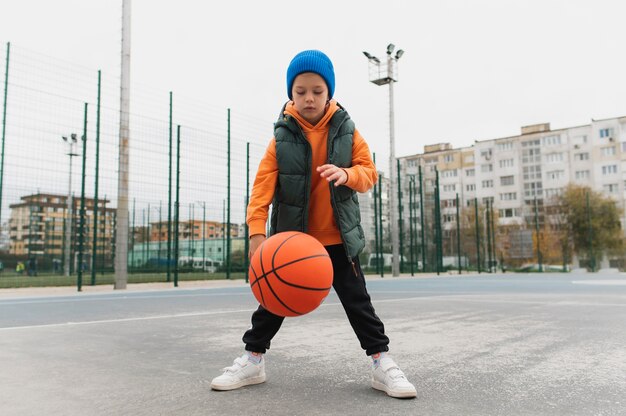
(532, 172)
(578, 140)
(448, 158)
(449, 203)
(469, 159)
(487, 184)
(551, 140)
(488, 199)
(504, 146)
(470, 188)
(506, 163)
(608, 151)
(486, 154)
(508, 213)
(448, 218)
(578, 157)
(530, 143)
(429, 160)
(555, 175)
(611, 188)
(449, 173)
(582, 174)
(605, 133)
(531, 155)
(486, 168)
(532, 189)
(507, 180)
(609, 169)
(554, 158)
(470, 172)
(508, 196)
(553, 192)
(449, 188)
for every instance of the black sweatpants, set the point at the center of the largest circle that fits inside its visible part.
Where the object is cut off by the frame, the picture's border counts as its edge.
(353, 295)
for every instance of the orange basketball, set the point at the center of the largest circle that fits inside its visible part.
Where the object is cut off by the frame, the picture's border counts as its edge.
(291, 273)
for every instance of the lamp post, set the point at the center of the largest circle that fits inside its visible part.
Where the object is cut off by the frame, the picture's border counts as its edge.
(71, 141)
(385, 74)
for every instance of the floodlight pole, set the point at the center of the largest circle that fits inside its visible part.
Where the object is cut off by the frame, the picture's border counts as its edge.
(71, 141)
(390, 78)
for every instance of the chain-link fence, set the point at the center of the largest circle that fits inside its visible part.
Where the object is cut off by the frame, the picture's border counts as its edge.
(190, 171)
(59, 187)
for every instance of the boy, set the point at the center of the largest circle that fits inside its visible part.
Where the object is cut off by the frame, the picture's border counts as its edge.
(310, 173)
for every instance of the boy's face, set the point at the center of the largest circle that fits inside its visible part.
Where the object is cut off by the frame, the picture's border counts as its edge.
(310, 95)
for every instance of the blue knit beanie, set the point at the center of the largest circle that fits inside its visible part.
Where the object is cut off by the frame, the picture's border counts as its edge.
(311, 61)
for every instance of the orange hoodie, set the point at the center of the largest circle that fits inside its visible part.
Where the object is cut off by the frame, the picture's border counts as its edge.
(361, 177)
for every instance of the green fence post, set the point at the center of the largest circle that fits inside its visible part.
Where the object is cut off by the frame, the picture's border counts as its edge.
(438, 233)
(132, 239)
(592, 260)
(228, 242)
(493, 239)
(488, 226)
(4, 125)
(458, 233)
(380, 224)
(411, 219)
(169, 199)
(247, 230)
(94, 245)
(423, 231)
(160, 237)
(203, 236)
(376, 221)
(477, 234)
(81, 232)
(177, 207)
(539, 260)
(400, 222)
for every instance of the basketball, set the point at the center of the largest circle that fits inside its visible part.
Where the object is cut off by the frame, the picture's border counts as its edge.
(290, 273)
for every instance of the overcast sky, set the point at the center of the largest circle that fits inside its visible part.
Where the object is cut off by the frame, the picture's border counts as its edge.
(472, 70)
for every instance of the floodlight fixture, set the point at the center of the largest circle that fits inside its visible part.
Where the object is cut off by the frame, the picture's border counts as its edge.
(390, 48)
(399, 53)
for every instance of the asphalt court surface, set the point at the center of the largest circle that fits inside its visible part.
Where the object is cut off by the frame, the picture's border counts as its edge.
(507, 344)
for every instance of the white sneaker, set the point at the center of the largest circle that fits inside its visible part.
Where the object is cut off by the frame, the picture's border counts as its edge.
(243, 372)
(389, 378)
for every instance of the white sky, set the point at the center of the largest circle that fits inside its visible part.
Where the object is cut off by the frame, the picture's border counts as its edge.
(472, 70)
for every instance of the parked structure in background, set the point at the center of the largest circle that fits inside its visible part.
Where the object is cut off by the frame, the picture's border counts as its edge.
(36, 227)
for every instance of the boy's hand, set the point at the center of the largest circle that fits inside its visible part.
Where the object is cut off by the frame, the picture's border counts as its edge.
(333, 173)
(255, 241)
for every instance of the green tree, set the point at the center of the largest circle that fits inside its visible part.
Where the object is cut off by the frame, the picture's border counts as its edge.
(597, 229)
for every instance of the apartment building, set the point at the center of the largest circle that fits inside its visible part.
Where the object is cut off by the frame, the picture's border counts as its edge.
(37, 226)
(511, 172)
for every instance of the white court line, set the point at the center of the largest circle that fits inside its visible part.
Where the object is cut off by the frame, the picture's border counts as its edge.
(600, 282)
(119, 297)
(194, 314)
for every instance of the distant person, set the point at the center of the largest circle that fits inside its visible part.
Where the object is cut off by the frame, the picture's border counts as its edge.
(19, 268)
(313, 189)
(32, 266)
